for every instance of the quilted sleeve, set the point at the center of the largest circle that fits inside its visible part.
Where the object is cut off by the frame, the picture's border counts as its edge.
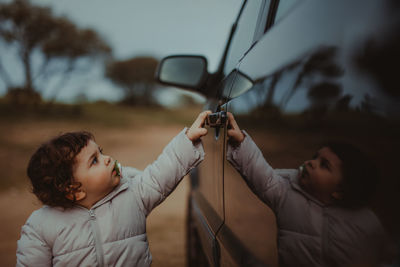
(264, 181)
(32, 250)
(161, 177)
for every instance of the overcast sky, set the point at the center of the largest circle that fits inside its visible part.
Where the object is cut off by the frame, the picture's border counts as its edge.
(148, 27)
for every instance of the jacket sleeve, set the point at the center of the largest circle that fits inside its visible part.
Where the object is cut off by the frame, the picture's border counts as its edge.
(32, 250)
(263, 180)
(161, 177)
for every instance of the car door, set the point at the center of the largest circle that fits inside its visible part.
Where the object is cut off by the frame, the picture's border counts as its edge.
(207, 189)
(248, 235)
(208, 194)
(297, 73)
(310, 74)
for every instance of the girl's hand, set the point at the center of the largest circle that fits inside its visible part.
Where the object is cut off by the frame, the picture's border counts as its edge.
(196, 130)
(236, 136)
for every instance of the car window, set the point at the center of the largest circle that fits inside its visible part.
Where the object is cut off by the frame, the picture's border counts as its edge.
(243, 38)
(284, 7)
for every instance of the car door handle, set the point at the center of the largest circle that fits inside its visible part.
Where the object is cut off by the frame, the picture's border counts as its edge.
(217, 119)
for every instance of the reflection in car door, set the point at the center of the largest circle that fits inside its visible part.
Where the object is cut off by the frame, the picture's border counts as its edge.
(207, 201)
(248, 235)
(300, 99)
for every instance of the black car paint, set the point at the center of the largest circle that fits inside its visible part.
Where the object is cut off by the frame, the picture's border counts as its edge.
(319, 70)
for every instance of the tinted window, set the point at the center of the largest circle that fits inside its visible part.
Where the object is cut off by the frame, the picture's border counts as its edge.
(284, 7)
(243, 37)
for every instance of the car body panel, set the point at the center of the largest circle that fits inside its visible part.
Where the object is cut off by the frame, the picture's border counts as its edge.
(288, 119)
(298, 74)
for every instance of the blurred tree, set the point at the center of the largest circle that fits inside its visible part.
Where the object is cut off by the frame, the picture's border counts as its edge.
(343, 103)
(321, 62)
(379, 59)
(324, 94)
(34, 31)
(276, 77)
(368, 104)
(136, 77)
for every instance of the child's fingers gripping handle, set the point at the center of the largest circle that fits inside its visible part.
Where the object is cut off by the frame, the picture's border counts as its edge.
(236, 136)
(232, 122)
(234, 132)
(199, 122)
(196, 130)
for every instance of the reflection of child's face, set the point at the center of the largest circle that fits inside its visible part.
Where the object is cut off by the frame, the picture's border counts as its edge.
(95, 172)
(322, 175)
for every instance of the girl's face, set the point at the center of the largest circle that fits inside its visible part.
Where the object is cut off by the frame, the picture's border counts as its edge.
(322, 176)
(95, 171)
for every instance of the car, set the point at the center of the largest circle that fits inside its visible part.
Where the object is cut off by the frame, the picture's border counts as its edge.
(294, 74)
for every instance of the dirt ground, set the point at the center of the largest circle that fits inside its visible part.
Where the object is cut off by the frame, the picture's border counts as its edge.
(131, 146)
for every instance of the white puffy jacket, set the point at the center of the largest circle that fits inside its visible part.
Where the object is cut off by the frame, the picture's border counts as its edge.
(309, 232)
(113, 231)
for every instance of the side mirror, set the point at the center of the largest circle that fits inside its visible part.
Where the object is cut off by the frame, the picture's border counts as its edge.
(183, 71)
(235, 84)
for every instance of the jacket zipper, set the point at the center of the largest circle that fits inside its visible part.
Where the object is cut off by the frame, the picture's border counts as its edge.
(97, 239)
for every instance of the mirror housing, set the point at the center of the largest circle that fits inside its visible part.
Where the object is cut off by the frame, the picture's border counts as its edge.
(236, 84)
(185, 71)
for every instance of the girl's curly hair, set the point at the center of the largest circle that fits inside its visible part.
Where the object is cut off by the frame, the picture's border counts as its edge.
(50, 168)
(360, 173)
